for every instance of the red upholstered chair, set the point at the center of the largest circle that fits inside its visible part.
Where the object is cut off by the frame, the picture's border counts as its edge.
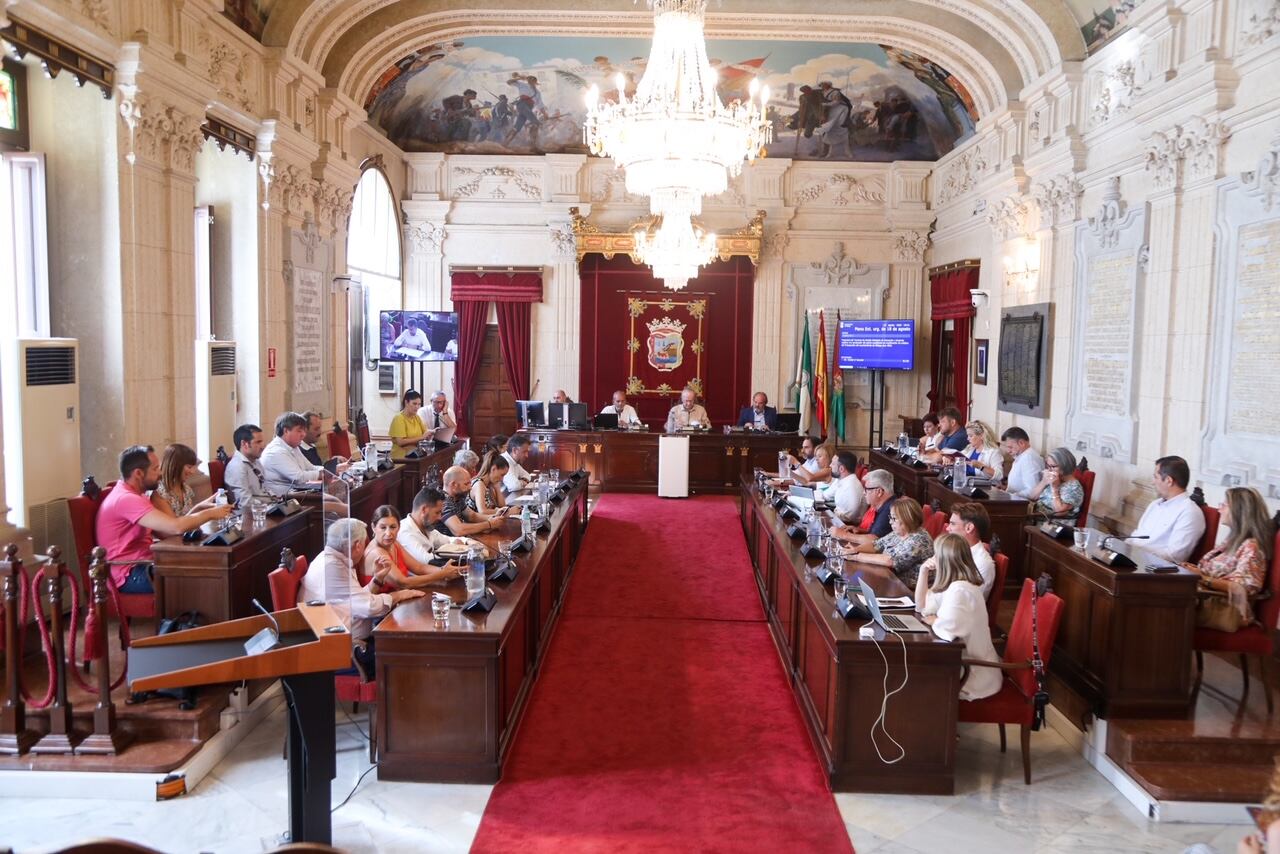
(285, 580)
(362, 430)
(1085, 476)
(935, 523)
(1014, 702)
(997, 587)
(83, 510)
(1210, 536)
(862, 470)
(1251, 640)
(339, 442)
(217, 468)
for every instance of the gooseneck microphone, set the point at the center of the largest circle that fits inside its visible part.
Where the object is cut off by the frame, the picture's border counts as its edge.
(1111, 537)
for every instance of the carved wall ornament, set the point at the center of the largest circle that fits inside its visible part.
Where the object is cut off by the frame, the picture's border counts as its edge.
(310, 238)
(129, 114)
(286, 271)
(425, 238)
(611, 186)
(910, 247)
(1009, 218)
(228, 71)
(333, 204)
(1264, 182)
(525, 182)
(847, 189)
(266, 174)
(1117, 90)
(1261, 24)
(961, 175)
(161, 133)
(1058, 200)
(1106, 225)
(97, 11)
(839, 269)
(291, 188)
(1185, 153)
(776, 245)
(563, 243)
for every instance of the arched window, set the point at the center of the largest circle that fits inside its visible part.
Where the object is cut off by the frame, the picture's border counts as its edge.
(373, 256)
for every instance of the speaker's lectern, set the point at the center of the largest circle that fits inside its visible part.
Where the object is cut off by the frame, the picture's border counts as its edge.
(311, 644)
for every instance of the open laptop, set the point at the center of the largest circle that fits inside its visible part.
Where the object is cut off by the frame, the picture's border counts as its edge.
(607, 421)
(888, 622)
(800, 496)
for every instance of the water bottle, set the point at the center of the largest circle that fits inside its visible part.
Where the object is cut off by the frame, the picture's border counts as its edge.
(903, 442)
(371, 457)
(959, 473)
(814, 531)
(783, 471)
(475, 573)
(526, 521)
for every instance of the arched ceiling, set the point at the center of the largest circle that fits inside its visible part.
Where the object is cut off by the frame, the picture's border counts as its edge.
(994, 47)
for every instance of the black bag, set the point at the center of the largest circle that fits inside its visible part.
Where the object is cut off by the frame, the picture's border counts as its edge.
(186, 697)
(182, 622)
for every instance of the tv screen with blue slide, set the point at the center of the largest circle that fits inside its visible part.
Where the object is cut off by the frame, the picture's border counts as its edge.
(876, 345)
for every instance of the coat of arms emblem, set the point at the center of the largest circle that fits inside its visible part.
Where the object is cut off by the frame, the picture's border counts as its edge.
(665, 343)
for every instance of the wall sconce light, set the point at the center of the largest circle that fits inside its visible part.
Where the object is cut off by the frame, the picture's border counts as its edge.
(1023, 271)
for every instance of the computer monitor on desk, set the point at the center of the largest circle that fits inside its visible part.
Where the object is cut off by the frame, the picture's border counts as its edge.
(788, 422)
(530, 413)
(607, 421)
(567, 416)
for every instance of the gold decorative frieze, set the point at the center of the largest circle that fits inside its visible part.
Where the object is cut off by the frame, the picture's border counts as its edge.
(591, 238)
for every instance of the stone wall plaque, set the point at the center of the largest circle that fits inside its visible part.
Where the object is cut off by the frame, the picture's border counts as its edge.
(308, 331)
(1022, 369)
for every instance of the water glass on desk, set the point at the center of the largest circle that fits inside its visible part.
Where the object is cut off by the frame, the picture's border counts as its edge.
(440, 606)
(258, 512)
(1081, 536)
(839, 587)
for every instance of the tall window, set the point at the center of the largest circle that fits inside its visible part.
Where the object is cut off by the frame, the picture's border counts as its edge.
(24, 272)
(373, 255)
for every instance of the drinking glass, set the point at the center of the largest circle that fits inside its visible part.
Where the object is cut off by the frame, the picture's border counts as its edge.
(839, 587)
(1081, 537)
(440, 606)
(504, 550)
(555, 477)
(258, 512)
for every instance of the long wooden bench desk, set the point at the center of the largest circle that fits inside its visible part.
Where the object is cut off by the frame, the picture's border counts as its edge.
(450, 696)
(838, 678)
(359, 502)
(415, 472)
(907, 479)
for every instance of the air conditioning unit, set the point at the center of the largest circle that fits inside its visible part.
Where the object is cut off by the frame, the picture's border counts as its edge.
(42, 424)
(215, 397)
(389, 378)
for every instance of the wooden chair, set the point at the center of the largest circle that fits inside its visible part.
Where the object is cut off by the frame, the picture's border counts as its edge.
(935, 522)
(1014, 703)
(362, 430)
(339, 442)
(1251, 640)
(1211, 519)
(285, 580)
(83, 510)
(997, 587)
(1086, 477)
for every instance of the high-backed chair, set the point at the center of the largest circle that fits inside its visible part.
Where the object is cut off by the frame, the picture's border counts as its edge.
(1251, 640)
(339, 441)
(1211, 519)
(1014, 703)
(935, 523)
(362, 429)
(83, 510)
(285, 580)
(997, 587)
(1086, 477)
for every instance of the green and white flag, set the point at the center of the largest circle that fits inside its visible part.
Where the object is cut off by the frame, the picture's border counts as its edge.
(804, 379)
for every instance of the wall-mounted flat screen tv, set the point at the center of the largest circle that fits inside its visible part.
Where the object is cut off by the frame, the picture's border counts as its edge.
(876, 345)
(419, 336)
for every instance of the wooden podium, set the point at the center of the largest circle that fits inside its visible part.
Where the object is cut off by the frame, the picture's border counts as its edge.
(313, 643)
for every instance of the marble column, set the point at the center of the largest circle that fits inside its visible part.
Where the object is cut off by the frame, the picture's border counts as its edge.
(557, 321)
(768, 371)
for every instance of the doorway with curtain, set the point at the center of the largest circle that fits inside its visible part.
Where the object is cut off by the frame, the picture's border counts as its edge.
(492, 403)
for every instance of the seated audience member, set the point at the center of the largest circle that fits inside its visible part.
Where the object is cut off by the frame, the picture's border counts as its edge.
(407, 429)
(952, 603)
(283, 463)
(1234, 573)
(821, 472)
(331, 578)
(969, 519)
(310, 446)
(419, 535)
(127, 520)
(469, 460)
(877, 485)
(929, 441)
(412, 337)
(851, 501)
(687, 413)
(1024, 474)
(905, 547)
(1059, 492)
(807, 459)
(458, 519)
(626, 412)
(1173, 523)
(982, 452)
(172, 495)
(516, 478)
(951, 435)
(441, 425)
(242, 477)
(561, 397)
(497, 442)
(486, 497)
(406, 570)
(759, 415)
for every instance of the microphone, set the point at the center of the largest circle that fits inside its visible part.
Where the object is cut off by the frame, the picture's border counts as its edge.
(267, 638)
(1111, 537)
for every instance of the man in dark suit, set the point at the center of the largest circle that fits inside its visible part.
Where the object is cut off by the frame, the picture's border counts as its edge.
(759, 415)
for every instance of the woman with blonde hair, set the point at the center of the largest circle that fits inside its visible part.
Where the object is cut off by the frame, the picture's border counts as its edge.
(983, 451)
(905, 547)
(173, 496)
(1234, 573)
(486, 489)
(952, 604)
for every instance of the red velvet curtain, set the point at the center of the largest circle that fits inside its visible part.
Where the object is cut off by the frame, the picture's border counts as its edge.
(515, 320)
(949, 292)
(471, 317)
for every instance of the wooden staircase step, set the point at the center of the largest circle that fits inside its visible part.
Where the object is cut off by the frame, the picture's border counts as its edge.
(1198, 781)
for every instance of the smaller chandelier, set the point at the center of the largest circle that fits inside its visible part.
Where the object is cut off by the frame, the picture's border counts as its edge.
(676, 250)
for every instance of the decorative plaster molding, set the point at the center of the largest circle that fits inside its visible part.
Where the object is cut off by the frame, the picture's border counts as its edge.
(563, 242)
(847, 189)
(266, 174)
(290, 189)
(333, 204)
(424, 238)
(1106, 225)
(1263, 182)
(839, 269)
(129, 114)
(97, 11)
(228, 70)
(611, 186)
(910, 246)
(525, 181)
(310, 238)
(1262, 24)
(159, 132)
(1185, 153)
(1058, 200)
(775, 246)
(286, 272)
(1117, 89)
(1009, 218)
(961, 175)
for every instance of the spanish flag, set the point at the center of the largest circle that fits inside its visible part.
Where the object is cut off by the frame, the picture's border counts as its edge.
(822, 391)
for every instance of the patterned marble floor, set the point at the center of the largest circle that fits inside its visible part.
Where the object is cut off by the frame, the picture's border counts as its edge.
(241, 807)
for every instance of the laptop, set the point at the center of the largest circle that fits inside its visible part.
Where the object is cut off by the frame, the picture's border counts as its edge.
(607, 421)
(788, 422)
(888, 622)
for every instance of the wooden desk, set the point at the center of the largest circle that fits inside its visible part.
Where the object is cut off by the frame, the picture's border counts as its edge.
(415, 472)
(627, 461)
(838, 678)
(450, 697)
(1124, 645)
(362, 501)
(221, 581)
(1008, 517)
(907, 479)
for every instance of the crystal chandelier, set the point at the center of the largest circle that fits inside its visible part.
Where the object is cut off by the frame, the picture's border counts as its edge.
(675, 141)
(676, 250)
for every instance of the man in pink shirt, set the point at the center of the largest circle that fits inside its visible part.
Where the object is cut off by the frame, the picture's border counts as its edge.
(127, 520)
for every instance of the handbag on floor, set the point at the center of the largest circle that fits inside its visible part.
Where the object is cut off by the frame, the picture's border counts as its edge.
(1215, 611)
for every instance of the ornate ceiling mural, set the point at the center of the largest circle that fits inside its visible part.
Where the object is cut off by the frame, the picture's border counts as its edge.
(1101, 20)
(524, 95)
(249, 15)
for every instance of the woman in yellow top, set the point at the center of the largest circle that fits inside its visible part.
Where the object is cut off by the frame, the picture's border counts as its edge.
(407, 429)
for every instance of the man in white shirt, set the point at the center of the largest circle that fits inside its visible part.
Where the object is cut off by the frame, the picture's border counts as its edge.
(418, 533)
(851, 499)
(625, 412)
(331, 578)
(440, 423)
(1024, 474)
(1173, 524)
(242, 477)
(969, 519)
(516, 453)
(687, 413)
(413, 338)
(283, 463)
(807, 459)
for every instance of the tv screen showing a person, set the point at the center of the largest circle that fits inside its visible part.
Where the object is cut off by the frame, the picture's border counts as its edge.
(419, 336)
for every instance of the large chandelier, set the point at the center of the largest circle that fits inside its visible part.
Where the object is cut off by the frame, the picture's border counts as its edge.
(676, 250)
(674, 139)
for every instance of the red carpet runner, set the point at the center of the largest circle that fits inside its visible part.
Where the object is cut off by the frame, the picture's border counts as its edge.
(662, 720)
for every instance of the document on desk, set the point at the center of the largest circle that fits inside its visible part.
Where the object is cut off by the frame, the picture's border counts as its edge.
(891, 602)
